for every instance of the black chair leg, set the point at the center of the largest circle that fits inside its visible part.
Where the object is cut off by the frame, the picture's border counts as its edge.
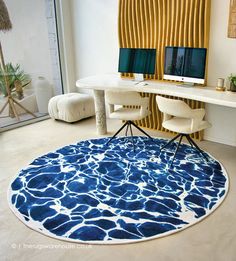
(122, 127)
(196, 146)
(137, 127)
(128, 124)
(189, 140)
(180, 140)
(127, 128)
(132, 137)
(169, 142)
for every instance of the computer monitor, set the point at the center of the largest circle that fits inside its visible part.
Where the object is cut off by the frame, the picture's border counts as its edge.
(137, 60)
(185, 64)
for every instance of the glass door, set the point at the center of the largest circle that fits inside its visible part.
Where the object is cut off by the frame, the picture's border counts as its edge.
(30, 73)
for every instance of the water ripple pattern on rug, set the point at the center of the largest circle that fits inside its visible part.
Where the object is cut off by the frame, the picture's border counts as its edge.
(90, 192)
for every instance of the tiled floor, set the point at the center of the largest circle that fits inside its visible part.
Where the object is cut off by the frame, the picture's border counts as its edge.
(8, 121)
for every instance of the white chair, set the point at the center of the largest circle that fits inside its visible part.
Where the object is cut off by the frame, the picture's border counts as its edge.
(119, 108)
(180, 118)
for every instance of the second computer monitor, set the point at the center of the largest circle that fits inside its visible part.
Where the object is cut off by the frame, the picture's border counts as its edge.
(185, 64)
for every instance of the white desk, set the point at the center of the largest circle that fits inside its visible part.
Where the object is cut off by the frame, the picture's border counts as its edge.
(101, 83)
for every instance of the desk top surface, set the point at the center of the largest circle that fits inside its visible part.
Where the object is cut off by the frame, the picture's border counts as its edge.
(114, 82)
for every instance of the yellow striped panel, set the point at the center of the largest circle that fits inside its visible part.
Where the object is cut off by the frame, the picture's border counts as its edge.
(160, 23)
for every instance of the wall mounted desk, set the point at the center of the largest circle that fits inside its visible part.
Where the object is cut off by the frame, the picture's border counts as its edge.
(101, 83)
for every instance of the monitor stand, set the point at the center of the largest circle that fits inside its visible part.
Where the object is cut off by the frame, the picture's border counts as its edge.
(185, 84)
(138, 77)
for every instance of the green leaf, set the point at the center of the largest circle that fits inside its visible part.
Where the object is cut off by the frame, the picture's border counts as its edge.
(13, 72)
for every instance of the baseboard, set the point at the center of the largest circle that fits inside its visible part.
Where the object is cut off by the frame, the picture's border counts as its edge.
(23, 123)
(218, 140)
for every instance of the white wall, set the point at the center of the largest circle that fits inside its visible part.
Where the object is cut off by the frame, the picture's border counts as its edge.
(222, 62)
(27, 43)
(96, 51)
(95, 24)
(222, 50)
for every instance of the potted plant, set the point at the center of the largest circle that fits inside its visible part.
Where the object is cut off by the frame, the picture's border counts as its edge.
(17, 80)
(232, 80)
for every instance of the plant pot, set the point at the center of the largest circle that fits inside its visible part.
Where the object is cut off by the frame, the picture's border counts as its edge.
(232, 87)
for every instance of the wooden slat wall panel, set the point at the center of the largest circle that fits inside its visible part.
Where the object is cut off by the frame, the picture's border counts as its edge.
(159, 23)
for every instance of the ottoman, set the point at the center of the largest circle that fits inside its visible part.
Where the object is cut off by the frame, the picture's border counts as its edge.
(71, 107)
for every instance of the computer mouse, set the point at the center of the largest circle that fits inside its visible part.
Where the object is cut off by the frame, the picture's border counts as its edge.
(142, 83)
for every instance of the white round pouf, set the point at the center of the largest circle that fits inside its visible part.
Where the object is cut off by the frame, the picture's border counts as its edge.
(71, 107)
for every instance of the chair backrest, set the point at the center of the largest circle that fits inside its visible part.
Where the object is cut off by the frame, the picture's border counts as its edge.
(173, 107)
(127, 98)
(123, 98)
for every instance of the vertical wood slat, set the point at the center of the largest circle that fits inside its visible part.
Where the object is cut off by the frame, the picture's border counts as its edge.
(180, 37)
(232, 19)
(191, 24)
(201, 26)
(206, 33)
(159, 23)
(196, 24)
(177, 21)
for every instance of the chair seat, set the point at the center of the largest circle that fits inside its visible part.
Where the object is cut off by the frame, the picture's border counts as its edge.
(128, 114)
(183, 125)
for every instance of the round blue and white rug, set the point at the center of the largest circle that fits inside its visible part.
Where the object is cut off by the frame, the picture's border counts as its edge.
(108, 194)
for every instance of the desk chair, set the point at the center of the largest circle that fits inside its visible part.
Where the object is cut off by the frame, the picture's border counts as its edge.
(180, 118)
(117, 100)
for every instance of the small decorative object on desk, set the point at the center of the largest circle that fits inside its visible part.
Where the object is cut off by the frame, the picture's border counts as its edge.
(232, 81)
(220, 84)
